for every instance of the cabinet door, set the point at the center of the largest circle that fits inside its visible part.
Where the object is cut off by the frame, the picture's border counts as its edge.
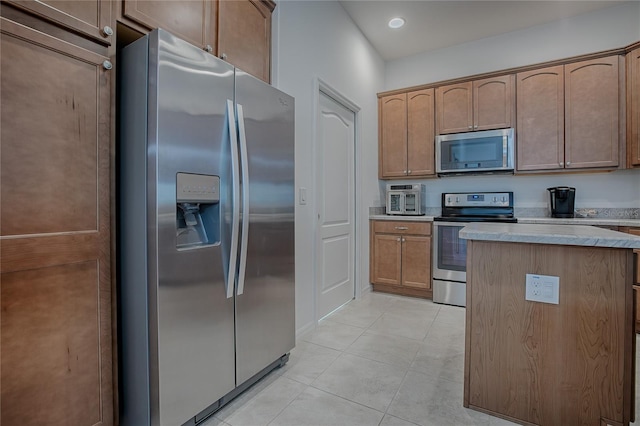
(421, 133)
(392, 136)
(416, 262)
(592, 95)
(454, 108)
(191, 20)
(244, 35)
(494, 103)
(89, 17)
(636, 231)
(540, 106)
(387, 262)
(633, 96)
(55, 290)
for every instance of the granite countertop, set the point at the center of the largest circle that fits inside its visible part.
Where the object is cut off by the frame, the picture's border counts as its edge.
(404, 218)
(536, 233)
(596, 221)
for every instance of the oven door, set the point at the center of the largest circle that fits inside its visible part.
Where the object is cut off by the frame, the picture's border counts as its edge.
(449, 263)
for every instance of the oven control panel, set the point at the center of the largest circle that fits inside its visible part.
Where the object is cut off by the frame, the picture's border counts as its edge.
(478, 199)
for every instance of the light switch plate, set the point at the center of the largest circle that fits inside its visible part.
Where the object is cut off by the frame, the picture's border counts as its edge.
(542, 288)
(303, 196)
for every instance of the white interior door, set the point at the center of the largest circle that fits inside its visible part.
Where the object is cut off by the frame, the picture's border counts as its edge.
(335, 182)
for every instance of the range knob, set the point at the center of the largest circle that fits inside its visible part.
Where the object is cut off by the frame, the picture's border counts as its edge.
(495, 199)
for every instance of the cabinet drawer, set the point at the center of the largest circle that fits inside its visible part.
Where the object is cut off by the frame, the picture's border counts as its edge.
(397, 227)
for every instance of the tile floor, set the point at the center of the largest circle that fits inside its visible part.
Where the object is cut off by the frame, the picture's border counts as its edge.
(381, 360)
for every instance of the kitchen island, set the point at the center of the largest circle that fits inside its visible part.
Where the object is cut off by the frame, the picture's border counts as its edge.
(568, 359)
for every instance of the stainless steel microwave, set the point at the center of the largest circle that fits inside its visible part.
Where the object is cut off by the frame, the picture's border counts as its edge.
(406, 199)
(490, 151)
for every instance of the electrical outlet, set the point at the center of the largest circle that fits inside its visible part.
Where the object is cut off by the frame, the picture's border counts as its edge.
(542, 288)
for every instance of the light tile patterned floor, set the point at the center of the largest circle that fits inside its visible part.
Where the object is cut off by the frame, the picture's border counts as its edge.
(382, 360)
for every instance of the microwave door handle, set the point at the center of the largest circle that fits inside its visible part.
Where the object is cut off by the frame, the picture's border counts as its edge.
(505, 145)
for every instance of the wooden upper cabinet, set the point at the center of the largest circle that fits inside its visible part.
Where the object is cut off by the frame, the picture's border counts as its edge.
(55, 288)
(633, 108)
(592, 113)
(244, 35)
(476, 105)
(406, 133)
(191, 20)
(89, 17)
(454, 108)
(494, 103)
(238, 31)
(540, 122)
(421, 133)
(393, 136)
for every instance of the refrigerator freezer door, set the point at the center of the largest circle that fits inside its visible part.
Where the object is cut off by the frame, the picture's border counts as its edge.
(193, 361)
(265, 315)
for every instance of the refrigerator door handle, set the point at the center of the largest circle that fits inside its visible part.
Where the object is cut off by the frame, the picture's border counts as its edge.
(235, 224)
(244, 161)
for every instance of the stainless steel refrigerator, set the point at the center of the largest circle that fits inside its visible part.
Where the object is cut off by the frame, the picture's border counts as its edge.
(205, 231)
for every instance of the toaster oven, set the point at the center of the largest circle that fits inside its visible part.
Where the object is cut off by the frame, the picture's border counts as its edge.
(406, 199)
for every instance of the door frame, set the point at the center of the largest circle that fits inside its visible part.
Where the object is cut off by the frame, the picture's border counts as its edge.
(322, 86)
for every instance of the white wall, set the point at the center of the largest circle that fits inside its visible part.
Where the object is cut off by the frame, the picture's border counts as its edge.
(619, 189)
(601, 30)
(317, 39)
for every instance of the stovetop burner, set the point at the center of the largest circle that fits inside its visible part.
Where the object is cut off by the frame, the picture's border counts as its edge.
(477, 207)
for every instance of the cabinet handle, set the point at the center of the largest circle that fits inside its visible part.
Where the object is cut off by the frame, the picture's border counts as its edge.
(107, 31)
(568, 163)
(475, 127)
(471, 127)
(208, 48)
(402, 228)
(404, 241)
(107, 65)
(561, 163)
(398, 239)
(409, 172)
(223, 56)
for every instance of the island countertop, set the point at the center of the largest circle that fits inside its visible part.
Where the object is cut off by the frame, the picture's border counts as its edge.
(574, 235)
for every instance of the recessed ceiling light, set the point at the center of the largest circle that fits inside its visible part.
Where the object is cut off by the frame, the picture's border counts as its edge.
(396, 22)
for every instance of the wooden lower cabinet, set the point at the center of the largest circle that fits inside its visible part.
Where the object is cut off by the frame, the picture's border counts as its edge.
(570, 363)
(400, 257)
(55, 289)
(636, 287)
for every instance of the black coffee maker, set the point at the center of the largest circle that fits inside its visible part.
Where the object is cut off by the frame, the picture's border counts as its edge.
(562, 201)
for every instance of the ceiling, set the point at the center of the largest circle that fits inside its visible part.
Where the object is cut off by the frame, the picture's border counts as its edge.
(434, 24)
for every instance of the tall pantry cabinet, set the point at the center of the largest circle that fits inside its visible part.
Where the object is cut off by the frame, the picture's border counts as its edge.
(56, 119)
(55, 282)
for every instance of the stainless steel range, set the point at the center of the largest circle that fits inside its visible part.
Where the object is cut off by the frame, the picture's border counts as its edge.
(450, 251)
